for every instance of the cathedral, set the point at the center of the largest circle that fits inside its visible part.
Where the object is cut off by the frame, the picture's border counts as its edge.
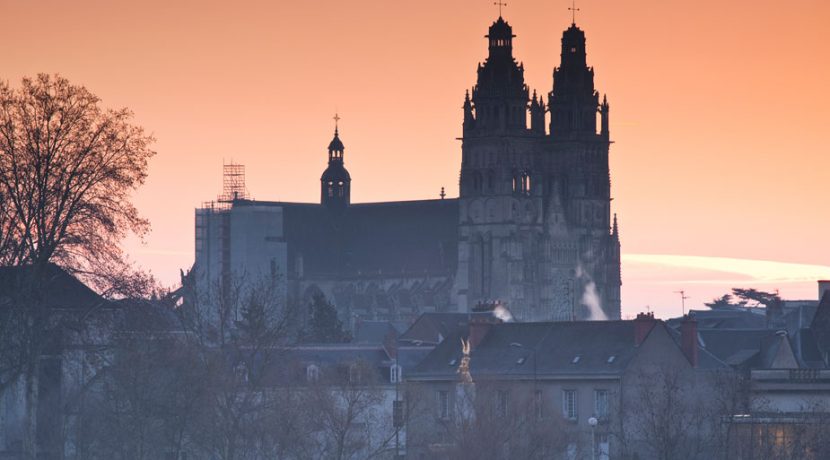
(531, 229)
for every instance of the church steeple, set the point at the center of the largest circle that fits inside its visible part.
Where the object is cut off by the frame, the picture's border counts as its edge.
(573, 102)
(335, 183)
(500, 96)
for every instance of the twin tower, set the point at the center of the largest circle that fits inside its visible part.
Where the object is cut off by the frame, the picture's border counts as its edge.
(534, 208)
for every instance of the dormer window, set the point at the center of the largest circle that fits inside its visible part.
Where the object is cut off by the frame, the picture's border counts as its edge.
(395, 373)
(312, 373)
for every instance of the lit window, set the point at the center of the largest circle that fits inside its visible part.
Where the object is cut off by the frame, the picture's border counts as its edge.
(569, 409)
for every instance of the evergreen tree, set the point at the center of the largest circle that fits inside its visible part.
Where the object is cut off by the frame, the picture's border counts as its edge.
(324, 326)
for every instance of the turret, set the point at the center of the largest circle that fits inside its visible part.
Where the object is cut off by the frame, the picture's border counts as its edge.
(573, 102)
(603, 110)
(335, 183)
(500, 97)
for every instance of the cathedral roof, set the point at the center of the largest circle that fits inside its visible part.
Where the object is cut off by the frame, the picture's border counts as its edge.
(404, 238)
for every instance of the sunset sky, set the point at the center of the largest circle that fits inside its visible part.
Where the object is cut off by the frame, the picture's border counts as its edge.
(719, 113)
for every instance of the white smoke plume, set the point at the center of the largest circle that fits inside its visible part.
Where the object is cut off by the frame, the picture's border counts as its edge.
(502, 313)
(590, 297)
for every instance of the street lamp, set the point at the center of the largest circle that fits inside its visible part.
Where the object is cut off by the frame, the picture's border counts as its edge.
(593, 422)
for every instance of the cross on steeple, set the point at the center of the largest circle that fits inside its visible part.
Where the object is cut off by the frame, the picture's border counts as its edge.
(500, 4)
(336, 119)
(573, 9)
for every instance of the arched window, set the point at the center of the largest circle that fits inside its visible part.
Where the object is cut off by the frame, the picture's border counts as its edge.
(521, 182)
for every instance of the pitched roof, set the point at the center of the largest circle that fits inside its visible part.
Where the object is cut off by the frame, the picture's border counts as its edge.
(404, 237)
(433, 328)
(561, 348)
(56, 288)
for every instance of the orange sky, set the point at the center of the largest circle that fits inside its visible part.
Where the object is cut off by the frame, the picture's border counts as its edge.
(718, 109)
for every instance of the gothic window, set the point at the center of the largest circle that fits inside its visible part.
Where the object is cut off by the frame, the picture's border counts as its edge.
(477, 181)
(521, 183)
(331, 189)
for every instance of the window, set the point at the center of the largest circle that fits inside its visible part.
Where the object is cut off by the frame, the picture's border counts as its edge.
(601, 404)
(538, 402)
(569, 409)
(395, 373)
(354, 374)
(501, 403)
(443, 404)
(312, 373)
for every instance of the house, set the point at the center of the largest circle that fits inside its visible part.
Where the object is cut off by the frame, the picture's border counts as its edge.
(589, 380)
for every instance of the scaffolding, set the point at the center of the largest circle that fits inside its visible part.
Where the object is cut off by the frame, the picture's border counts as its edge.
(233, 183)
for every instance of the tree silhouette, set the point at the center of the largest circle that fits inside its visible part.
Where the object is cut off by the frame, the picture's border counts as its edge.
(324, 326)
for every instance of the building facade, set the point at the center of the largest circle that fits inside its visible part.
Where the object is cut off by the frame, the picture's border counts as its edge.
(532, 226)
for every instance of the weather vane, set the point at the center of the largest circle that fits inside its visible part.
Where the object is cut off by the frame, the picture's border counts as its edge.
(573, 9)
(500, 4)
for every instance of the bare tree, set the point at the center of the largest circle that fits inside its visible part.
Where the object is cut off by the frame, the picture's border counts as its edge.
(67, 168)
(670, 415)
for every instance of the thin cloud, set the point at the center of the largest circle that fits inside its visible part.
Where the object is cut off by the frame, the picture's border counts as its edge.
(753, 271)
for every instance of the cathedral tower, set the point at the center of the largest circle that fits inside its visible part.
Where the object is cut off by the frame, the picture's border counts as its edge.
(335, 183)
(534, 223)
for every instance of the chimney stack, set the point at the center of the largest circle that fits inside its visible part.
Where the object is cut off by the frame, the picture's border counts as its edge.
(688, 339)
(823, 288)
(642, 326)
(480, 323)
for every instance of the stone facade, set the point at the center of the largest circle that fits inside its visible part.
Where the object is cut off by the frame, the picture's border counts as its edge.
(532, 227)
(535, 219)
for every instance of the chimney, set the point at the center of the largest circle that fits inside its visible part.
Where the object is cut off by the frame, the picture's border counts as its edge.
(688, 339)
(642, 326)
(479, 327)
(823, 288)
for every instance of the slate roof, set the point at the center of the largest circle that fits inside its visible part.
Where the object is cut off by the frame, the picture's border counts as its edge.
(58, 289)
(736, 347)
(727, 318)
(557, 344)
(433, 328)
(405, 237)
(374, 332)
